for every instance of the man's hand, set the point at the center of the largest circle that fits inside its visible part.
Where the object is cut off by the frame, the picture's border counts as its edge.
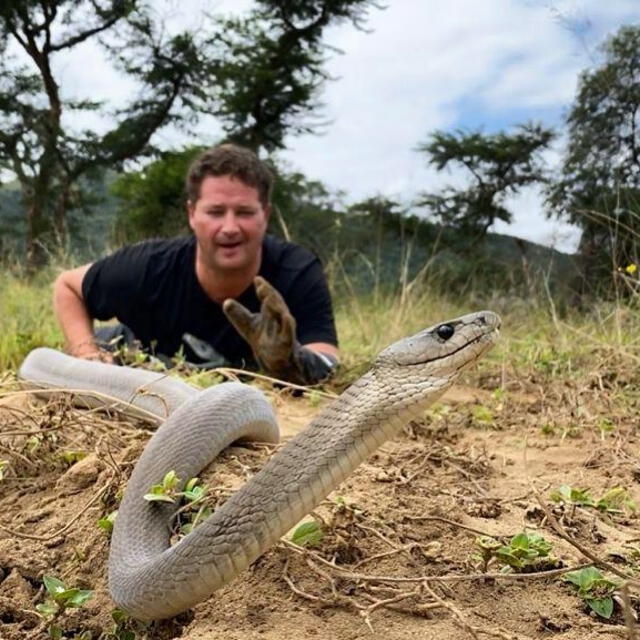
(271, 333)
(272, 336)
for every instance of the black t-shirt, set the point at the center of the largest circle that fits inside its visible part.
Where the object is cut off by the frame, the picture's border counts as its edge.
(152, 288)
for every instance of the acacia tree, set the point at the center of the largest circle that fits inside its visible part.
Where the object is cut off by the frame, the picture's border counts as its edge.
(269, 67)
(39, 144)
(499, 165)
(599, 185)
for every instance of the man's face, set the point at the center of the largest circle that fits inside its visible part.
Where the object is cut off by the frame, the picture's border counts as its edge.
(229, 223)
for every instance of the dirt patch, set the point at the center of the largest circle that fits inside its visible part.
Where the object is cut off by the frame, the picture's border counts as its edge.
(415, 509)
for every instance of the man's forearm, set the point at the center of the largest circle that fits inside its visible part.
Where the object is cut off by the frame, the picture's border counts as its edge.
(75, 321)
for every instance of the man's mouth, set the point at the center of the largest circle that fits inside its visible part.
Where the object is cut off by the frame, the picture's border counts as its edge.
(229, 245)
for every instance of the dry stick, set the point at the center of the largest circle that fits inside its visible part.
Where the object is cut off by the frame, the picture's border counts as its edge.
(110, 402)
(456, 613)
(347, 573)
(453, 523)
(66, 527)
(472, 630)
(557, 527)
(225, 371)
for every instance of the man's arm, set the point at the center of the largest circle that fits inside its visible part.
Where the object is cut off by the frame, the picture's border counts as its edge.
(71, 312)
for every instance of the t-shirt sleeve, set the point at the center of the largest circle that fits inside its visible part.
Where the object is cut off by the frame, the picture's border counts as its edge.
(310, 304)
(113, 286)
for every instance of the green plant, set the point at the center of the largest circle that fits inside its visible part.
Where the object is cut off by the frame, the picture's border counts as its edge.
(615, 500)
(106, 523)
(596, 590)
(194, 511)
(59, 598)
(573, 496)
(308, 534)
(166, 490)
(125, 627)
(525, 552)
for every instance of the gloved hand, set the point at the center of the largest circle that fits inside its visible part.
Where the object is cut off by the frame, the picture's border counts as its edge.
(271, 333)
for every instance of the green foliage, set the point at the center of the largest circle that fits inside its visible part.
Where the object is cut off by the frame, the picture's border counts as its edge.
(499, 165)
(165, 491)
(153, 201)
(594, 589)
(106, 523)
(599, 185)
(27, 319)
(615, 500)
(269, 68)
(59, 598)
(573, 495)
(308, 534)
(524, 553)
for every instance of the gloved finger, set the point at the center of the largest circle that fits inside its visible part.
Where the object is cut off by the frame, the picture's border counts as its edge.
(240, 317)
(273, 303)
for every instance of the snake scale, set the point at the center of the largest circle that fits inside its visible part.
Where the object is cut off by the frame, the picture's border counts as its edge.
(150, 579)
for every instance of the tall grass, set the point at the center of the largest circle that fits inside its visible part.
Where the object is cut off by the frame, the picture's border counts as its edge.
(535, 335)
(26, 316)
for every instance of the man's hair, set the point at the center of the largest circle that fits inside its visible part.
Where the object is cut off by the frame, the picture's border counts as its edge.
(230, 160)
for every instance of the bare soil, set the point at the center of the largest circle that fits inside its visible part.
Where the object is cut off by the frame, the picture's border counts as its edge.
(480, 463)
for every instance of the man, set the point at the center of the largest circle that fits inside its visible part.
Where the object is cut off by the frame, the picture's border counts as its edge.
(229, 294)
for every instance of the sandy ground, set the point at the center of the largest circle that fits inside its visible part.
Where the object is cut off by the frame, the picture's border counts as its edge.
(475, 465)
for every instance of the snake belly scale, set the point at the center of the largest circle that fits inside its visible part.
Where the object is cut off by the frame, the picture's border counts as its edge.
(150, 579)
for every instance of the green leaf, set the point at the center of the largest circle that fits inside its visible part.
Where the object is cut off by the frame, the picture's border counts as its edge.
(520, 541)
(308, 534)
(602, 606)
(170, 480)
(108, 521)
(584, 578)
(78, 598)
(53, 585)
(119, 616)
(47, 609)
(158, 497)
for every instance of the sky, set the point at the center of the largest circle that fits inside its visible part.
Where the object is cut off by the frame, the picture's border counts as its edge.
(420, 66)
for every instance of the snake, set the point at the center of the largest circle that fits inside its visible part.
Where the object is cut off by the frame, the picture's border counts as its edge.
(151, 579)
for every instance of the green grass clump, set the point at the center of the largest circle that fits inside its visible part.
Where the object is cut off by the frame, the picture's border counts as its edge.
(26, 317)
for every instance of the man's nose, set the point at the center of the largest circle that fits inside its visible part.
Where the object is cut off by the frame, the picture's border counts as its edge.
(229, 223)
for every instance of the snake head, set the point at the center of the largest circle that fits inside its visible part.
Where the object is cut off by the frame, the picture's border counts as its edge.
(443, 350)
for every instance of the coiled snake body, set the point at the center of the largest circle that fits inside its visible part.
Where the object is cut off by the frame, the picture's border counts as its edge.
(151, 579)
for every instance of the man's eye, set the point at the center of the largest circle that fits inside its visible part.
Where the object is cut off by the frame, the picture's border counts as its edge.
(216, 212)
(245, 212)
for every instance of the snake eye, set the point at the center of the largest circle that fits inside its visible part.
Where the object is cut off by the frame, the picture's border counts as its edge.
(445, 331)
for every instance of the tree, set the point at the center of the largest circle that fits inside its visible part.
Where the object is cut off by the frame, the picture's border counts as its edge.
(152, 200)
(269, 68)
(38, 143)
(260, 75)
(599, 184)
(499, 164)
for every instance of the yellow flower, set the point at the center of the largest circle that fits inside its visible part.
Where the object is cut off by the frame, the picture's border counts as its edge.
(631, 268)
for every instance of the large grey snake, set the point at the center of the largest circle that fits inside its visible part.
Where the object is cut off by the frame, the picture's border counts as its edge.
(151, 579)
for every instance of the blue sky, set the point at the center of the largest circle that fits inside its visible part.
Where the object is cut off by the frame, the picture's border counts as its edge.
(422, 65)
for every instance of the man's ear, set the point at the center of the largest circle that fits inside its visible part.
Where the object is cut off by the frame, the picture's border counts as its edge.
(267, 212)
(190, 209)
